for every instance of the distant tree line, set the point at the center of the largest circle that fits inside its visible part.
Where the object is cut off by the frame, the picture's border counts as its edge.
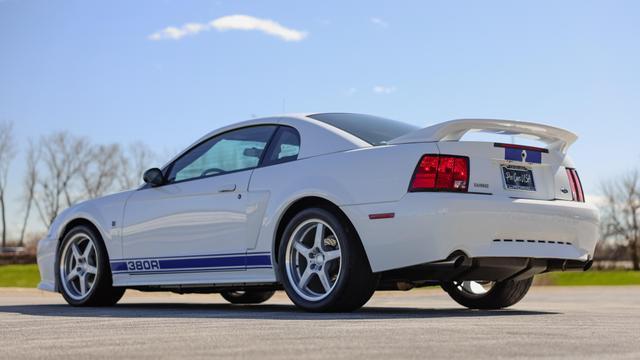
(62, 169)
(620, 225)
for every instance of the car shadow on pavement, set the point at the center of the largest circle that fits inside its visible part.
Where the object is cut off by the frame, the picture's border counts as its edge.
(264, 312)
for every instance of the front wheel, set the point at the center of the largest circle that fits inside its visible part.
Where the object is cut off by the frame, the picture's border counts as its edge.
(247, 297)
(488, 295)
(322, 264)
(83, 272)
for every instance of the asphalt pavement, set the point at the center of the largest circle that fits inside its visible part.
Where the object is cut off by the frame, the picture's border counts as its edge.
(551, 323)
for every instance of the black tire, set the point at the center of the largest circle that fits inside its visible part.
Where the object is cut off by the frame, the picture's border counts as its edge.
(355, 283)
(503, 294)
(102, 292)
(247, 297)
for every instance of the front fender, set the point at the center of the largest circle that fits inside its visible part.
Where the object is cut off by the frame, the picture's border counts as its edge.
(105, 214)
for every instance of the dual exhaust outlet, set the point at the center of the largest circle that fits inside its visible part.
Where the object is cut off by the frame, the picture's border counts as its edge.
(459, 267)
(462, 261)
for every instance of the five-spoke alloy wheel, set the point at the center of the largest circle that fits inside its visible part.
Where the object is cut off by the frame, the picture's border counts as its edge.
(247, 296)
(488, 294)
(313, 259)
(474, 288)
(84, 274)
(78, 266)
(322, 264)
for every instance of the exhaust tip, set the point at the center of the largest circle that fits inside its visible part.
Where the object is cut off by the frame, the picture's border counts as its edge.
(457, 258)
(459, 261)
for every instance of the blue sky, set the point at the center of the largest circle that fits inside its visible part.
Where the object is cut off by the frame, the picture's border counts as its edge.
(94, 68)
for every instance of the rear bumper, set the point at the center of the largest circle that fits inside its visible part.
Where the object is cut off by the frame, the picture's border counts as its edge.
(429, 227)
(460, 268)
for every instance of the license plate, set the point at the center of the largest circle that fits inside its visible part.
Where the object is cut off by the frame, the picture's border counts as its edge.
(518, 178)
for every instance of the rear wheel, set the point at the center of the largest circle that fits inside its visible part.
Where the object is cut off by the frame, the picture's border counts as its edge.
(322, 264)
(247, 297)
(488, 294)
(83, 270)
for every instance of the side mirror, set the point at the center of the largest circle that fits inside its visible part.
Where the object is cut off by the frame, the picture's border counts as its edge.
(154, 177)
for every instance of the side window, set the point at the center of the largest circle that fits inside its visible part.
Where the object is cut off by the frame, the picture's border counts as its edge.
(232, 151)
(284, 147)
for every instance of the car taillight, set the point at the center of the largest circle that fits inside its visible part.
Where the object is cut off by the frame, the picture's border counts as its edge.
(441, 173)
(576, 185)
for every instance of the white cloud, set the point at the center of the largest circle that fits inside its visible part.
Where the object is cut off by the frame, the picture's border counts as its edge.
(245, 22)
(382, 89)
(379, 22)
(231, 22)
(175, 33)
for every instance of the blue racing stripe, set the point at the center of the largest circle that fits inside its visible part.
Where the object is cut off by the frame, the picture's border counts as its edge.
(118, 266)
(203, 262)
(190, 271)
(259, 260)
(191, 263)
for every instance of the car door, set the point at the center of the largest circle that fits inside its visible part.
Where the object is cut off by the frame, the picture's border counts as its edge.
(283, 148)
(195, 225)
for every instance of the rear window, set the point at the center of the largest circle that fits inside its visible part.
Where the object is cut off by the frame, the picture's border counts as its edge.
(372, 129)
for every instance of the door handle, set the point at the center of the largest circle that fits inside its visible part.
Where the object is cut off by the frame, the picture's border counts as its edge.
(227, 188)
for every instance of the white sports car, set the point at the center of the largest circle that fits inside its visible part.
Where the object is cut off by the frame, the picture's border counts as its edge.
(331, 207)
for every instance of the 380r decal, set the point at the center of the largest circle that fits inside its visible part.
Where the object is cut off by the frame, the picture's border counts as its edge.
(139, 265)
(237, 261)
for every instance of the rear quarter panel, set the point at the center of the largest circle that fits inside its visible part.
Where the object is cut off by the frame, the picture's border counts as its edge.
(362, 176)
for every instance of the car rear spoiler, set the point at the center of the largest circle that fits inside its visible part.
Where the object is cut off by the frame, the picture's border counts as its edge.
(555, 138)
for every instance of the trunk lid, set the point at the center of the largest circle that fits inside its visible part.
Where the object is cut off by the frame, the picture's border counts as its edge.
(492, 170)
(506, 169)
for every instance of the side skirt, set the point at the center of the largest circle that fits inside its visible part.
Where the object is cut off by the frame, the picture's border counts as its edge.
(209, 288)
